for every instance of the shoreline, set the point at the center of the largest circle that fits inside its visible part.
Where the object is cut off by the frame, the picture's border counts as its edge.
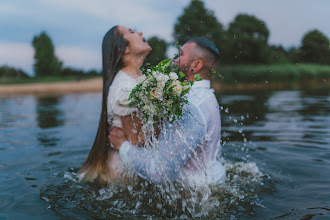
(95, 85)
(88, 85)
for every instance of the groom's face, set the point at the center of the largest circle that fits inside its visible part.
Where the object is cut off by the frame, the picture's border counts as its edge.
(185, 58)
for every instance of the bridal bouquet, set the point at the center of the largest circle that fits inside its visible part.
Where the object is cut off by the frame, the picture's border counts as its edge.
(159, 95)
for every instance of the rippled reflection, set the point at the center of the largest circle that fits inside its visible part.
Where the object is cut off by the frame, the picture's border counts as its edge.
(49, 115)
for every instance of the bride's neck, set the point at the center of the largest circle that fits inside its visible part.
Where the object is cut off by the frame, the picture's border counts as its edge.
(132, 66)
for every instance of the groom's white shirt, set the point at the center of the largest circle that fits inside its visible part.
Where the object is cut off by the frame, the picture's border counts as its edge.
(187, 149)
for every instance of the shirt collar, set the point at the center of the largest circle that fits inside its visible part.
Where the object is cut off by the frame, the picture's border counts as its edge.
(202, 84)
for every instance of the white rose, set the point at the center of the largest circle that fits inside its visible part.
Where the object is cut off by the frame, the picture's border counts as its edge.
(155, 73)
(156, 93)
(166, 78)
(141, 78)
(177, 87)
(161, 84)
(173, 76)
(162, 78)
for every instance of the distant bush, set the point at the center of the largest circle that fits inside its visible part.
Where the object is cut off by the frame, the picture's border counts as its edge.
(273, 73)
(7, 72)
(79, 74)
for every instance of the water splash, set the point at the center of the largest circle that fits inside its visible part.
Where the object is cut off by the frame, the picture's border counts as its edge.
(236, 196)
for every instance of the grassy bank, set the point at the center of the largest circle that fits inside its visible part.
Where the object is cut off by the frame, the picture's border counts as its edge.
(277, 73)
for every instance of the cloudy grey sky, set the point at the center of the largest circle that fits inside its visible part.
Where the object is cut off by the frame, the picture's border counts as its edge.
(77, 26)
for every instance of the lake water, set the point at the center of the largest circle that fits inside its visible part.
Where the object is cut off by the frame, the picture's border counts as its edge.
(275, 148)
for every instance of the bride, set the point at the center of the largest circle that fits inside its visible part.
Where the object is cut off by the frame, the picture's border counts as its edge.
(123, 52)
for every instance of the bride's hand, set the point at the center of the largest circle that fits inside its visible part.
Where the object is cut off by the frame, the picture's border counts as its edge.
(116, 138)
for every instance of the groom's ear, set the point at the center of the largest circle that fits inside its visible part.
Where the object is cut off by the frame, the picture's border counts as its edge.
(196, 66)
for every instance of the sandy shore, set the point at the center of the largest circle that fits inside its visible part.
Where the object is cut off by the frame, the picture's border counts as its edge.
(91, 85)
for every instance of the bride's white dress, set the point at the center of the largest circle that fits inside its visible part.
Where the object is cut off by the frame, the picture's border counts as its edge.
(119, 92)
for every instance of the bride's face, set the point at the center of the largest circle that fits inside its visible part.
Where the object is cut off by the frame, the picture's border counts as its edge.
(137, 45)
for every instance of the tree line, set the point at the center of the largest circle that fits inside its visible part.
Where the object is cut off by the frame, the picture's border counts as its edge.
(245, 41)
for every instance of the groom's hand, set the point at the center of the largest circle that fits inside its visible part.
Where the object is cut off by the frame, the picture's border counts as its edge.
(116, 138)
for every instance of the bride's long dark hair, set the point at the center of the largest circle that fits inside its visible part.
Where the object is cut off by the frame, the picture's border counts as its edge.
(95, 166)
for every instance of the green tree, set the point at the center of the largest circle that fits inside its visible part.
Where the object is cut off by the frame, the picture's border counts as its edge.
(247, 37)
(46, 63)
(197, 21)
(294, 54)
(158, 52)
(11, 72)
(277, 54)
(315, 48)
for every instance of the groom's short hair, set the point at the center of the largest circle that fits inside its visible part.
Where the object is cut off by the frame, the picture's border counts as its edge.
(209, 51)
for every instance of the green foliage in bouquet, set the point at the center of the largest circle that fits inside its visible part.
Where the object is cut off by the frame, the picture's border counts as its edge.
(159, 95)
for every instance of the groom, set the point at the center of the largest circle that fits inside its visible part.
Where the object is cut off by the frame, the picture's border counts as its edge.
(188, 148)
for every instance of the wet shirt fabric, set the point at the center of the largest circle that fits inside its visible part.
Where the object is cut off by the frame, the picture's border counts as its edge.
(119, 92)
(187, 149)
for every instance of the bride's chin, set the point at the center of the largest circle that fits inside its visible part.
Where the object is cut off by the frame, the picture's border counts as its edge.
(147, 51)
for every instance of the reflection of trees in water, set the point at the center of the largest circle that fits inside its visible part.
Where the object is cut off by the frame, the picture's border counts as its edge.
(241, 110)
(316, 102)
(315, 115)
(285, 116)
(49, 115)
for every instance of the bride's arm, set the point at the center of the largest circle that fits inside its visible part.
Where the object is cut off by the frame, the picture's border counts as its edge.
(132, 125)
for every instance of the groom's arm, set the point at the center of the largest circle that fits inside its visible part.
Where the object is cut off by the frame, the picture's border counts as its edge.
(175, 147)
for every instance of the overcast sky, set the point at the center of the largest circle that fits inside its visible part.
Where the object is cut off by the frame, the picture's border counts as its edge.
(78, 26)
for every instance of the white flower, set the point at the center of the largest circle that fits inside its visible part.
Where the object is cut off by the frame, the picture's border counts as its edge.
(155, 73)
(148, 70)
(173, 76)
(161, 84)
(177, 87)
(141, 78)
(162, 78)
(156, 93)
